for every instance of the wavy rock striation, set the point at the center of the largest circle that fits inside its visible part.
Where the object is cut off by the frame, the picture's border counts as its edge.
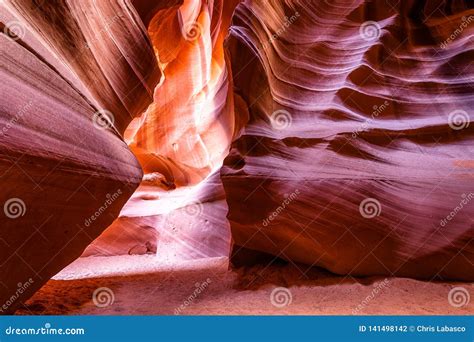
(358, 146)
(64, 168)
(182, 138)
(349, 126)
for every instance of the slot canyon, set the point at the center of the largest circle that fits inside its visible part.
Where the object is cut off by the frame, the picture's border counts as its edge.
(236, 157)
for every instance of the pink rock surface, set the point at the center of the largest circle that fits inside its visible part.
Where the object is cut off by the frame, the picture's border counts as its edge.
(352, 158)
(349, 126)
(183, 224)
(65, 173)
(184, 135)
(124, 237)
(101, 48)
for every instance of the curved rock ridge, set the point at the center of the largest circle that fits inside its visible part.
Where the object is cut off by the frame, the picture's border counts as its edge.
(183, 137)
(64, 169)
(101, 48)
(190, 221)
(185, 134)
(358, 153)
(176, 225)
(349, 126)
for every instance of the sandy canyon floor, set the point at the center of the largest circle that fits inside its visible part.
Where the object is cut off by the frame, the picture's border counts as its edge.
(142, 285)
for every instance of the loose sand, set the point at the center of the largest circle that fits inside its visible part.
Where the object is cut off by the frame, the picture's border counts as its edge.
(142, 285)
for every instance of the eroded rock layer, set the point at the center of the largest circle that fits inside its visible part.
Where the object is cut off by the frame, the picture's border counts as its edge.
(183, 136)
(359, 146)
(64, 168)
(349, 125)
(101, 48)
(186, 132)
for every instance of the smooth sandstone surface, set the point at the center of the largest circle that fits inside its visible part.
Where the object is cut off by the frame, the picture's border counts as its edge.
(182, 138)
(344, 118)
(335, 134)
(65, 172)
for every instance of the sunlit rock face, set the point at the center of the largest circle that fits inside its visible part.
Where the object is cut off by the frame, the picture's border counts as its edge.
(183, 137)
(186, 132)
(124, 237)
(74, 74)
(344, 127)
(358, 147)
(190, 221)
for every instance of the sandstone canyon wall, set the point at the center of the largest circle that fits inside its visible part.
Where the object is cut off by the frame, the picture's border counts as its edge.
(69, 87)
(335, 134)
(182, 138)
(359, 129)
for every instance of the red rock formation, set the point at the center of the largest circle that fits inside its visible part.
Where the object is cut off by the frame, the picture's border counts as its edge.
(348, 124)
(359, 143)
(182, 137)
(124, 236)
(72, 80)
(185, 134)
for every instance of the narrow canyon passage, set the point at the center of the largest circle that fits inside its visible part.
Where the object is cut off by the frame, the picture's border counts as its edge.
(236, 157)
